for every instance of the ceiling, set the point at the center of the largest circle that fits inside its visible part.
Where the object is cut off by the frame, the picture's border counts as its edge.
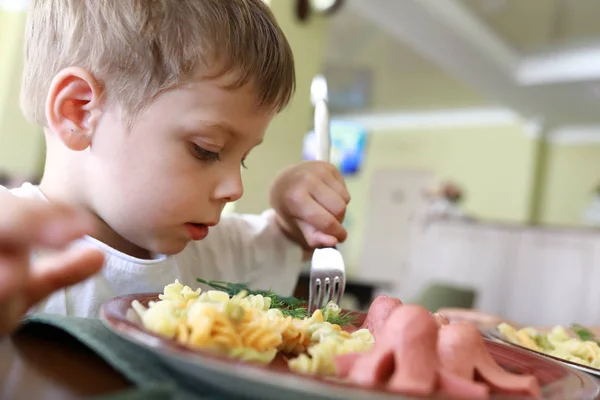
(540, 58)
(393, 75)
(536, 25)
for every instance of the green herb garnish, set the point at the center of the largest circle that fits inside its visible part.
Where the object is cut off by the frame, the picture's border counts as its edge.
(584, 333)
(289, 306)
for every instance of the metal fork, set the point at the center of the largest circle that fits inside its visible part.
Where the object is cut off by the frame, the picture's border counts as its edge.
(327, 270)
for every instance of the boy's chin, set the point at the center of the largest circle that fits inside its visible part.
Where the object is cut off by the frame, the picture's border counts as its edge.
(170, 247)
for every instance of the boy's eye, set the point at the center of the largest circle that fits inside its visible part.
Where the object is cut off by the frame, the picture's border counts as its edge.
(203, 154)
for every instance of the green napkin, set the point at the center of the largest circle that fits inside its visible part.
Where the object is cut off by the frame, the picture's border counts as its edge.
(152, 380)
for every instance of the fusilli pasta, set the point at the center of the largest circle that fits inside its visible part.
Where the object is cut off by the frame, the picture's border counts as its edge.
(247, 328)
(557, 342)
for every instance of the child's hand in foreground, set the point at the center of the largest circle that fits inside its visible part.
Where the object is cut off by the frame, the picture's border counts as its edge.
(24, 225)
(310, 199)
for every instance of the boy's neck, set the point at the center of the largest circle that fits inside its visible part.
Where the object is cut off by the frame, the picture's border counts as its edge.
(108, 236)
(55, 192)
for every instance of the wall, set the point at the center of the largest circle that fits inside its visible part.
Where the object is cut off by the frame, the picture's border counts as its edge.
(21, 143)
(494, 163)
(573, 172)
(283, 140)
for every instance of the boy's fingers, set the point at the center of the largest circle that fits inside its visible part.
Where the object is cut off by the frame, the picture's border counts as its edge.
(14, 269)
(35, 222)
(322, 221)
(330, 200)
(337, 184)
(314, 238)
(323, 240)
(13, 310)
(62, 270)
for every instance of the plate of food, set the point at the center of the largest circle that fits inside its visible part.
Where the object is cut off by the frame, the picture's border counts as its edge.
(260, 345)
(575, 346)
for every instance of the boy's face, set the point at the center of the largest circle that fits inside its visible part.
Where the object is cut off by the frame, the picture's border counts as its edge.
(161, 183)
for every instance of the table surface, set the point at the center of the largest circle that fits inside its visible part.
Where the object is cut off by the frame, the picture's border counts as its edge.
(51, 365)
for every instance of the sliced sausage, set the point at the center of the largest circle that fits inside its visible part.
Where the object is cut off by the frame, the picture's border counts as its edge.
(453, 386)
(458, 351)
(404, 356)
(419, 354)
(378, 313)
(379, 310)
(504, 381)
(462, 352)
(412, 332)
(373, 368)
(344, 363)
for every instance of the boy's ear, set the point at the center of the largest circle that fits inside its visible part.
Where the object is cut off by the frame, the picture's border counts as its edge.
(73, 107)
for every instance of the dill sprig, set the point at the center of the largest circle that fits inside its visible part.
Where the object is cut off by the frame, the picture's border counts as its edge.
(289, 305)
(584, 333)
(341, 319)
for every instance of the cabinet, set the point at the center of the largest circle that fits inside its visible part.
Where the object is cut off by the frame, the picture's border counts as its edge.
(534, 276)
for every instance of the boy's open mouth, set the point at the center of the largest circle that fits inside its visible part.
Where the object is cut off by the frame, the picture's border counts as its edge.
(197, 231)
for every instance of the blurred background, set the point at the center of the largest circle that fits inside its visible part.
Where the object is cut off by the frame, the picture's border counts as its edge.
(469, 134)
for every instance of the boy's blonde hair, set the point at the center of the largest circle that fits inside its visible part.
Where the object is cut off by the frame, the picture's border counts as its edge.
(140, 48)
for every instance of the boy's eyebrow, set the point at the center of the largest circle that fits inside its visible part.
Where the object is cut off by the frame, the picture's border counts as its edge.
(223, 127)
(227, 129)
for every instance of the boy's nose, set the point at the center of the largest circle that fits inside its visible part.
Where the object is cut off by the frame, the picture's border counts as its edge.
(230, 187)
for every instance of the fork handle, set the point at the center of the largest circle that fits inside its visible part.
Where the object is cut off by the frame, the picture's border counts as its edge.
(322, 130)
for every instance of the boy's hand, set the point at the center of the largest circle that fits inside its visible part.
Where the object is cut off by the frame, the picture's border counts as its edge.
(26, 224)
(310, 199)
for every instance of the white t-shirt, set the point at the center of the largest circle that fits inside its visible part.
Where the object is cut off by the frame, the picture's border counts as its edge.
(241, 248)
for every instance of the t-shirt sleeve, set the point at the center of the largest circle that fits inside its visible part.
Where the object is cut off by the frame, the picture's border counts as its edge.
(252, 249)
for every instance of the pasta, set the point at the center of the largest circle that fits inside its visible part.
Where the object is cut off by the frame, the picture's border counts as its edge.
(296, 337)
(557, 342)
(319, 360)
(245, 327)
(257, 301)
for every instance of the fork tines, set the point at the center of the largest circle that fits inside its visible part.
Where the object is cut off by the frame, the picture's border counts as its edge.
(327, 278)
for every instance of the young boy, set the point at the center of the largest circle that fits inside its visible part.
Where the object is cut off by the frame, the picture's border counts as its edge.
(148, 109)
